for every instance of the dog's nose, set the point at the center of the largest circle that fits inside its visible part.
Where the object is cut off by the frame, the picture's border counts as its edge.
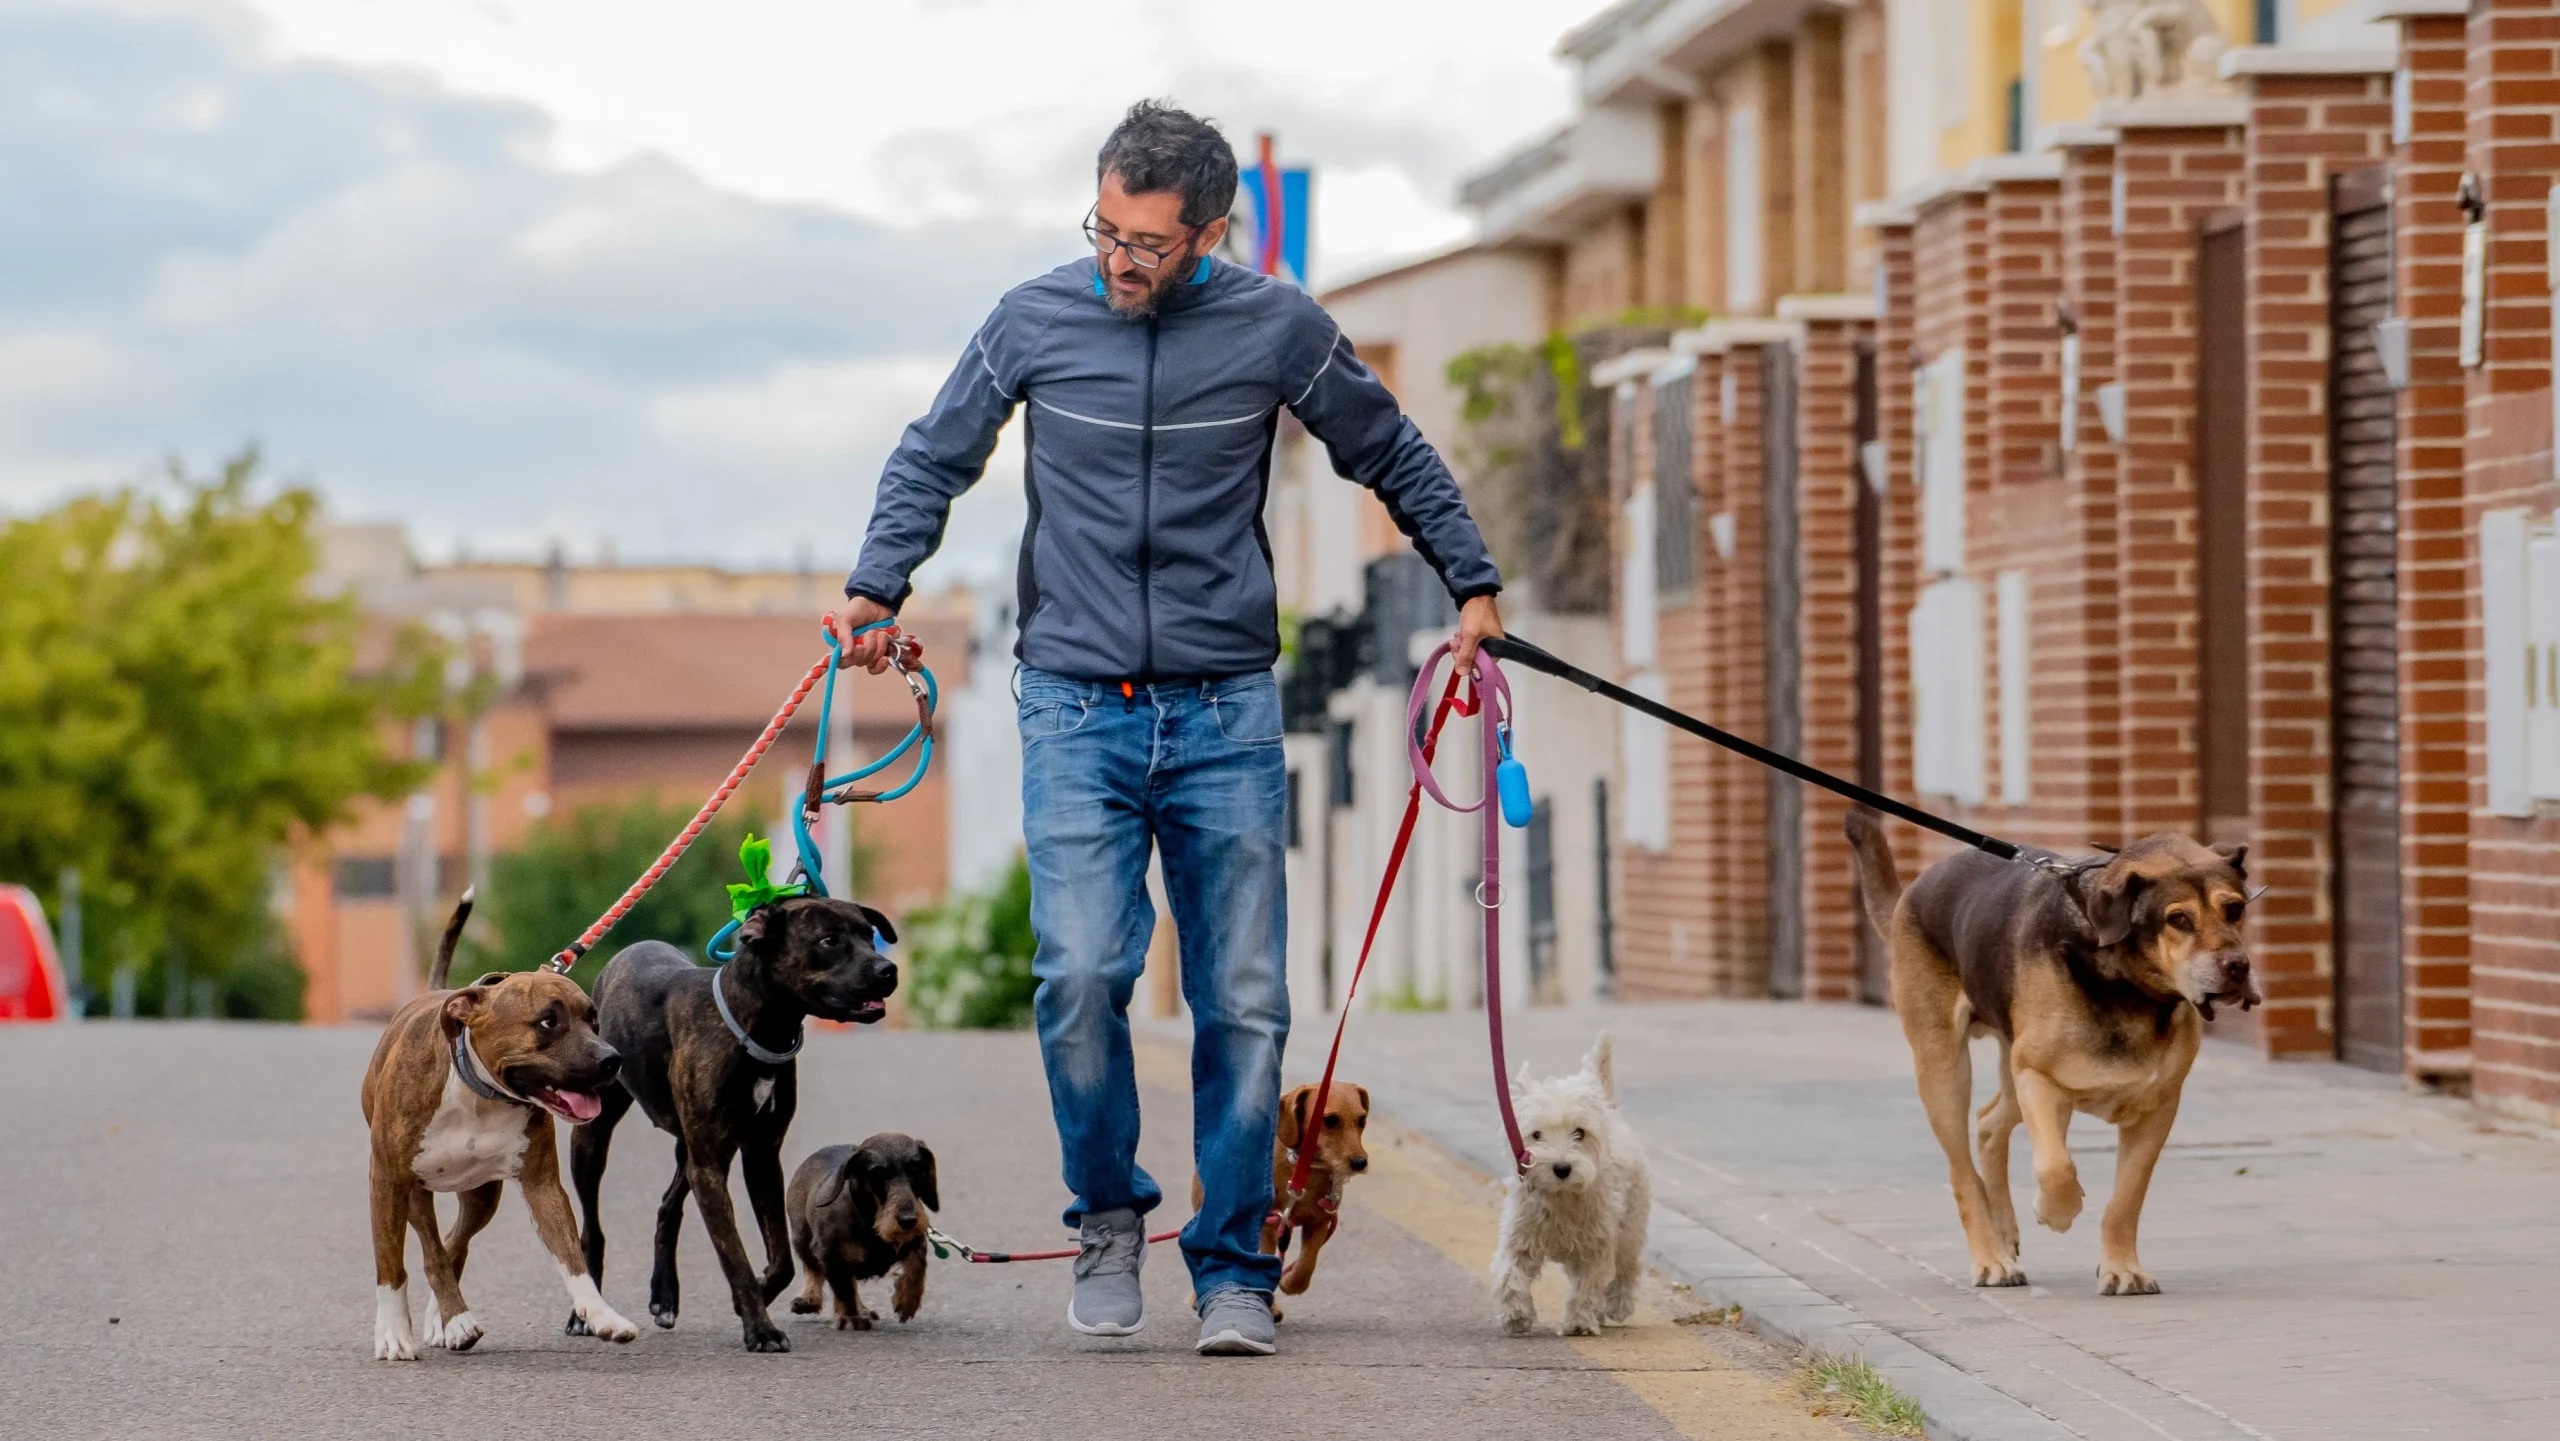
(608, 1063)
(1359, 1163)
(1563, 1169)
(2235, 964)
(906, 1215)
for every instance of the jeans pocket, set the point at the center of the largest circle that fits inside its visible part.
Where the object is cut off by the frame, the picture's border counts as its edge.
(1043, 716)
(1248, 713)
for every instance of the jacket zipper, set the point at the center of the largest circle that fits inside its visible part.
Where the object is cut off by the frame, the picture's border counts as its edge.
(1146, 515)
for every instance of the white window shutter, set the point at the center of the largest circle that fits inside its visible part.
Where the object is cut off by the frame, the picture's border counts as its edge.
(2014, 675)
(1636, 582)
(1947, 699)
(2542, 667)
(2502, 645)
(1942, 481)
(1645, 745)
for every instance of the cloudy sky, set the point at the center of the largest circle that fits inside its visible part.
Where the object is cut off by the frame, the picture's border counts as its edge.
(669, 276)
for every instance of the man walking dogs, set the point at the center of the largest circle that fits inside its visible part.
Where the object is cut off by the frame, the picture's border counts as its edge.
(1153, 377)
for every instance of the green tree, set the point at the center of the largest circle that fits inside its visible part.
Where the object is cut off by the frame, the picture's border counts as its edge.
(545, 893)
(969, 957)
(175, 705)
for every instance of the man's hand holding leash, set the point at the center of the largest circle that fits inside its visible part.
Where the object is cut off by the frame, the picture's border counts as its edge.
(1480, 619)
(871, 651)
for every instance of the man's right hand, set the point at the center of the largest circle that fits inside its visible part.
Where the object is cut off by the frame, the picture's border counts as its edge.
(871, 652)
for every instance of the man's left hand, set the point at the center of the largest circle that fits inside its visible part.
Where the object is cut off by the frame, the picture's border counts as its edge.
(1480, 619)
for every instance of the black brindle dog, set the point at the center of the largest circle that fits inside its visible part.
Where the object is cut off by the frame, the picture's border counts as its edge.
(710, 1089)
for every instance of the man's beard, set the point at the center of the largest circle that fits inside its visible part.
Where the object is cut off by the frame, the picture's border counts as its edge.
(1162, 281)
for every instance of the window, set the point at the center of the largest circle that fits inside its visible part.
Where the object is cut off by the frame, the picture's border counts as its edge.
(1645, 745)
(1675, 495)
(2015, 612)
(1946, 691)
(2520, 642)
(1337, 755)
(1742, 209)
(364, 878)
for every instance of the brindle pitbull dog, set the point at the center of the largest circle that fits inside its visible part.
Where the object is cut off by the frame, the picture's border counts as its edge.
(2097, 983)
(709, 1059)
(460, 1096)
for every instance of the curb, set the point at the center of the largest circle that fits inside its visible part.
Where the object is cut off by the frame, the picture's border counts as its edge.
(1775, 1305)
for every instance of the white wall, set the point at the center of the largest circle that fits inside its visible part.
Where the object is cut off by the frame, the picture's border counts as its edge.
(981, 745)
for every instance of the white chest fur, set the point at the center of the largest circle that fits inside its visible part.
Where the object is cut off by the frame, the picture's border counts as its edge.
(470, 1141)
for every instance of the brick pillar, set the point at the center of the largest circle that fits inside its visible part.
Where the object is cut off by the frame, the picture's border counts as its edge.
(1951, 307)
(1706, 765)
(1826, 518)
(2513, 78)
(1896, 343)
(1740, 959)
(2303, 130)
(2179, 161)
(2435, 761)
(2087, 753)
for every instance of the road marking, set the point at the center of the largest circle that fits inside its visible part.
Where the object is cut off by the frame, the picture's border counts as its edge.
(1698, 1393)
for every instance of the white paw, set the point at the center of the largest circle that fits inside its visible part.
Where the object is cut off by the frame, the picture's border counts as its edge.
(392, 1338)
(459, 1334)
(608, 1324)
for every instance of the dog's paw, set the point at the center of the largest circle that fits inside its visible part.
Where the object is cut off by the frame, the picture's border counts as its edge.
(1517, 1323)
(459, 1334)
(2058, 1203)
(804, 1305)
(1579, 1326)
(855, 1320)
(762, 1336)
(392, 1338)
(665, 1316)
(606, 1324)
(2125, 1281)
(1998, 1272)
(576, 1325)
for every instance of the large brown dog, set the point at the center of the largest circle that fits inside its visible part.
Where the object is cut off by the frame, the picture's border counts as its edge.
(2097, 982)
(460, 1095)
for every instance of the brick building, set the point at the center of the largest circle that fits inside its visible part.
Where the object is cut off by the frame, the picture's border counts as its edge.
(2089, 452)
(610, 683)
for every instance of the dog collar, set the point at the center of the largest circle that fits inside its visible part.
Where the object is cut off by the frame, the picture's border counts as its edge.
(475, 1076)
(720, 998)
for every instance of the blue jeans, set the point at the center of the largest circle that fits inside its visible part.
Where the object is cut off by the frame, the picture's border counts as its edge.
(1193, 768)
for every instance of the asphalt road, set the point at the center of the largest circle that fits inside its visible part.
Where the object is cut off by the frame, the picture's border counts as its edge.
(184, 1252)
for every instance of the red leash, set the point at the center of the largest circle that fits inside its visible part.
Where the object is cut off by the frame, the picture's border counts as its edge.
(939, 1241)
(1493, 699)
(1449, 702)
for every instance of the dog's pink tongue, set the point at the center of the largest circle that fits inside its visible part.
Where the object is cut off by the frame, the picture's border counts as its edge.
(581, 1106)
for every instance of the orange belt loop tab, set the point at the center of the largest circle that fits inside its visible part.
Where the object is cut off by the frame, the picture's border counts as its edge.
(1128, 691)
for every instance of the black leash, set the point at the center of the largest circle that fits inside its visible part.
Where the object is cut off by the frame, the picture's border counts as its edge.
(1512, 648)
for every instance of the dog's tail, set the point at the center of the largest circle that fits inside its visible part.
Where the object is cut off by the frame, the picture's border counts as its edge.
(1598, 1064)
(1879, 881)
(444, 948)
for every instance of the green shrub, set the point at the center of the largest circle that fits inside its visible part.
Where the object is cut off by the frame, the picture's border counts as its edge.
(968, 959)
(570, 869)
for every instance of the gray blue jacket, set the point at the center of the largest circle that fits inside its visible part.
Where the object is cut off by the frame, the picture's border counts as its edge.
(1149, 458)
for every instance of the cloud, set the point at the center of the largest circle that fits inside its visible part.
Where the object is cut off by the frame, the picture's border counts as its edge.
(397, 292)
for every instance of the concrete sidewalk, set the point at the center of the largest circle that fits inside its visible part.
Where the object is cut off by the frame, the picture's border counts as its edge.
(2336, 1258)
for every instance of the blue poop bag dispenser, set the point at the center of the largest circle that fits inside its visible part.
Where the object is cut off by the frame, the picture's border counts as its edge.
(1511, 780)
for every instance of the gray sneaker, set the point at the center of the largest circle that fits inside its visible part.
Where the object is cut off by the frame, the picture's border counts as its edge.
(1237, 1322)
(1111, 1246)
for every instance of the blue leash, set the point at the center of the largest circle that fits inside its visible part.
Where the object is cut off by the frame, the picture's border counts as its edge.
(810, 871)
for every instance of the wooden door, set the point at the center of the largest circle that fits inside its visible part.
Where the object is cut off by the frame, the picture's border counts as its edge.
(1783, 658)
(2222, 498)
(1868, 545)
(2364, 614)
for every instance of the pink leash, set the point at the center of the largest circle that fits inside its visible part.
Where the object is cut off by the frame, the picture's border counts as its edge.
(1493, 717)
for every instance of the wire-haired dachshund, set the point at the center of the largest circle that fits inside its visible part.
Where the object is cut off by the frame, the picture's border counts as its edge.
(856, 1211)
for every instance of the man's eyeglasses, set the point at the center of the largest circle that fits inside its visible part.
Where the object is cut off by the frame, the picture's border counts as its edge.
(1145, 257)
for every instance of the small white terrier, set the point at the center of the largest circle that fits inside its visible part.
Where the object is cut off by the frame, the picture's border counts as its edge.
(1582, 1203)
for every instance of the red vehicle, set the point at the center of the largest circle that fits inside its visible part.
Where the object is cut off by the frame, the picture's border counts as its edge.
(31, 987)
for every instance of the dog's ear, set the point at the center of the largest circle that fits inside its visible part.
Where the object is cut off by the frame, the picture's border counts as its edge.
(2237, 857)
(493, 978)
(464, 1004)
(1599, 1064)
(879, 924)
(759, 926)
(1521, 1081)
(1364, 1098)
(1293, 1116)
(2106, 898)
(927, 1178)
